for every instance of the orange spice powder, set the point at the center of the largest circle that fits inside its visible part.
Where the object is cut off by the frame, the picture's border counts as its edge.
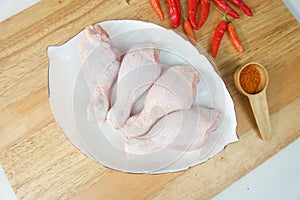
(250, 79)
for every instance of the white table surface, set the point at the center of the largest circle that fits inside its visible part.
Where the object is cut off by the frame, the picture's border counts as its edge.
(278, 178)
(9, 8)
(6, 192)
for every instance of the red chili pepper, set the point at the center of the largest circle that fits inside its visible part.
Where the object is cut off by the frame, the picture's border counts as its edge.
(218, 35)
(205, 6)
(156, 6)
(189, 31)
(226, 8)
(243, 6)
(175, 12)
(192, 11)
(234, 38)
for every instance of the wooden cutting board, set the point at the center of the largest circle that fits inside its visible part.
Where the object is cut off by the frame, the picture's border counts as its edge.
(42, 164)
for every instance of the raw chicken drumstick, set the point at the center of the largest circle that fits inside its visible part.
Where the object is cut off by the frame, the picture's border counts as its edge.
(139, 69)
(183, 130)
(174, 90)
(100, 64)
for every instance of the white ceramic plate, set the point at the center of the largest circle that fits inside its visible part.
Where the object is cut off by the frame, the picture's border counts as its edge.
(69, 97)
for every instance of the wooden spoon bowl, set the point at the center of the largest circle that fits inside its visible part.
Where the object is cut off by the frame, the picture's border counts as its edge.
(258, 100)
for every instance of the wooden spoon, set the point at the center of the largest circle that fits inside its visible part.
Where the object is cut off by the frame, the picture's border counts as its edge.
(258, 100)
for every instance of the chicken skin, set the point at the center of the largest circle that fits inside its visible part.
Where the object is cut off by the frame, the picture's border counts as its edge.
(174, 90)
(100, 65)
(183, 130)
(139, 69)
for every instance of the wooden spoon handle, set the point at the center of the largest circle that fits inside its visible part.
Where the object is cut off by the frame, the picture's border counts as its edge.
(261, 113)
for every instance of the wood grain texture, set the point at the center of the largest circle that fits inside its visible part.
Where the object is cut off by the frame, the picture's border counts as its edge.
(42, 164)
